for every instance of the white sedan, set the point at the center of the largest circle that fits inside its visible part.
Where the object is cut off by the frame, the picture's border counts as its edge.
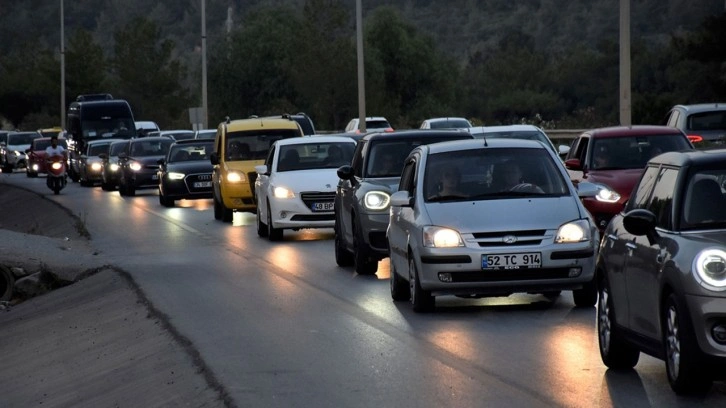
(295, 188)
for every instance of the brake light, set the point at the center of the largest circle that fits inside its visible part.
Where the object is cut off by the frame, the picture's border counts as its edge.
(388, 130)
(695, 138)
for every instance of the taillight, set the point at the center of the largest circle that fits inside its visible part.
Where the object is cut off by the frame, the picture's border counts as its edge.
(695, 138)
(388, 130)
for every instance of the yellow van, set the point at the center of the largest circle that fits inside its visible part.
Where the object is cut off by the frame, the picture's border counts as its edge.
(239, 146)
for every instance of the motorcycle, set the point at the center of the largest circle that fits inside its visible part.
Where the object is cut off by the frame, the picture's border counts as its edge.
(57, 178)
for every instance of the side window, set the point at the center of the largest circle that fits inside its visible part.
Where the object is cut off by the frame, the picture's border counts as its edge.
(358, 156)
(673, 119)
(661, 201)
(270, 157)
(641, 193)
(407, 176)
(220, 142)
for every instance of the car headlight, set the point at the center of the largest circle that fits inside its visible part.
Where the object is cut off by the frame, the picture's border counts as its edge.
(175, 176)
(135, 166)
(709, 266)
(606, 194)
(441, 237)
(236, 176)
(282, 192)
(376, 200)
(575, 231)
(96, 166)
(114, 167)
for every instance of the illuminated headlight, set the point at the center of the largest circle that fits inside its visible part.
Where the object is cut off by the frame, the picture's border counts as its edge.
(135, 166)
(35, 167)
(175, 176)
(113, 167)
(282, 192)
(96, 166)
(440, 237)
(56, 165)
(575, 231)
(710, 269)
(376, 200)
(236, 177)
(606, 194)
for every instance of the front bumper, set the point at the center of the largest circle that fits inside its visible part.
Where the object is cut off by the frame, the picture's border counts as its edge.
(144, 179)
(706, 312)
(297, 212)
(191, 187)
(373, 227)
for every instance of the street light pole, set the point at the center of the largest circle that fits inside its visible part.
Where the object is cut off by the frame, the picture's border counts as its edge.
(204, 66)
(625, 91)
(63, 69)
(361, 79)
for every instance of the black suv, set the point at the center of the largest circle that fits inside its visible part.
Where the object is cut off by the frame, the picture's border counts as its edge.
(362, 198)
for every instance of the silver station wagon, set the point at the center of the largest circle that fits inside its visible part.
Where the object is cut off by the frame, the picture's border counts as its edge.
(480, 218)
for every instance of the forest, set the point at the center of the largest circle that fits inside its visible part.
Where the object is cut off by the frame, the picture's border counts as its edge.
(553, 63)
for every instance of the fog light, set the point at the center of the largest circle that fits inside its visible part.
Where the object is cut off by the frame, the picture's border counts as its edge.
(719, 333)
(603, 223)
(574, 272)
(283, 214)
(445, 277)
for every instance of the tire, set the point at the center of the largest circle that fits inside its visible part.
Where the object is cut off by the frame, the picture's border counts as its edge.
(262, 231)
(7, 169)
(400, 290)
(343, 257)
(614, 351)
(362, 261)
(421, 300)
(587, 296)
(273, 234)
(7, 283)
(106, 186)
(130, 190)
(165, 201)
(687, 373)
(217, 207)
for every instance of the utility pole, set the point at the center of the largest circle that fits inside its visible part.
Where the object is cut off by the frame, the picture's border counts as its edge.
(63, 69)
(625, 91)
(361, 77)
(205, 121)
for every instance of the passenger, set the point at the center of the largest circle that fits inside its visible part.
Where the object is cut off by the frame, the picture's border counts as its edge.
(335, 156)
(448, 183)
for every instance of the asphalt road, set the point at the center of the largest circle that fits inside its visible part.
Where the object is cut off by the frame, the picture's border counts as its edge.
(279, 324)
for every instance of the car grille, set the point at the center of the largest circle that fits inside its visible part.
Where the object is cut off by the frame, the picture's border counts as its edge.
(317, 197)
(190, 179)
(496, 239)
(313, 217)
(510, 275)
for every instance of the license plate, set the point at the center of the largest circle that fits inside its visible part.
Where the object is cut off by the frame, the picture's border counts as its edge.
(511, 261)
(202, 184)
(322, 206)
(155, 177)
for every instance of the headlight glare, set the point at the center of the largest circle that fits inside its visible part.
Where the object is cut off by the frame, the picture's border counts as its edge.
(709, 266)
(114, 167)
(236, 177)
(376, 200)
(575, 231)
(96, 166)
(606, 194)
(175, 176)
(135, 166)
(441, 237)
(282, 192)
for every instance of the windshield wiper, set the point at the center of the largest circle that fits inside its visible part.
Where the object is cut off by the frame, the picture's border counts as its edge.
(447, 197)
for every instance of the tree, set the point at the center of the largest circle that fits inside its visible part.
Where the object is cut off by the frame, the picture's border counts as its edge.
(86, 67)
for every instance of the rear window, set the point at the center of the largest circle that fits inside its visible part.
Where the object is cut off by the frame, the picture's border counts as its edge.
(386, 157)
(632, 152)
(715, 120)
(520, 134)
(22, 138)
(450, 124)
(377, 124)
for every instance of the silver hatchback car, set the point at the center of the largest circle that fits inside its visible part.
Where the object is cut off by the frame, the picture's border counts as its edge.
(480, 218)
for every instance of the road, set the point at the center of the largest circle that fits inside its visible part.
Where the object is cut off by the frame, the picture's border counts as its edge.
(280, 324)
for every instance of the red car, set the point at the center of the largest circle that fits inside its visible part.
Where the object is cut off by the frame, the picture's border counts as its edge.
(614, 158)
(36, 155)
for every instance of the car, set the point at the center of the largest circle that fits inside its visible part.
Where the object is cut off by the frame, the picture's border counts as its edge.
(446, 123)
(143, 127)
(177, 135)
(363, 193)
(518, 132)
(186, 172)
(205, 134)
(373, 124)
(36, 155)
(239, 146)
(476, 219)
(138, 167)
(704, 121)
(48, 132)
(661, 275)
(295, 188)
(110, 173)
(12, 153)
(614, 158)
(90, 163)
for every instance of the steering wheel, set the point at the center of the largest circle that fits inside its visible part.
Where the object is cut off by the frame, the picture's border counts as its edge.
(527, 188)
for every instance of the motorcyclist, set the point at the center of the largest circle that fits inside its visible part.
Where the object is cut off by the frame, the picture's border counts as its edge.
(51, 151)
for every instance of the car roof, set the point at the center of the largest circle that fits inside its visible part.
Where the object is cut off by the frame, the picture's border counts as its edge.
(691, 157)
(701, 107)
(414, 133)
(492, 129)
(445, 118)
(266, 122)
(466, 144)
(193, 141)
(314, 139)
(635, 130)
(99, 141)
(151, 138)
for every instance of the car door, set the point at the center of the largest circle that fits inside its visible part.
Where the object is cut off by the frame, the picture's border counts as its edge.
(648, 258)
(400, 224)
(346, 194)
(262, 184)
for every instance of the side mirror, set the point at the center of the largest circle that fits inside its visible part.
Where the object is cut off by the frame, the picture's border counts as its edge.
(641, 222)
(563, 150)
(573, 164)
(262, 170)
(346, 172)
(401, 199)
(586, 189)
(214, 159)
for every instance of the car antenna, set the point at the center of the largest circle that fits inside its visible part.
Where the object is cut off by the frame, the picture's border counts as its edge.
(485, 141)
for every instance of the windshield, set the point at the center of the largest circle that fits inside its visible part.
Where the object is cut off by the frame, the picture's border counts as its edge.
(16, 139)
(255, 144)
(311, 156)
(108, 128)
(117, 148)
(632, 152)
(482, 174)
(94, 149)
(517, 134)
(190, 152)
(146, 147)
(42, 144)
(704, 205)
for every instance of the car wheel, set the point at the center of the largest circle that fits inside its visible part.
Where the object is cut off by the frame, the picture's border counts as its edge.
(106, 186)
(399, 286)
(165, 201)
(587, 296)
(614, 351)
(122, 188)
(7, 169)
(273, 234)
(261, 226)
(217, 207)
(343, 257)
(130, 190)
(364, 265)
(421, 300)
(686, 373)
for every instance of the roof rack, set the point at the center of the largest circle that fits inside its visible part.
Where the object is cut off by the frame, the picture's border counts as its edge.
(94, 97)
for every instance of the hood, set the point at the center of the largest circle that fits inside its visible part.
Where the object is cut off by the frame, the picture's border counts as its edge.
(307, 180)
(621, 181)
(148, 160)
(504, 215)
(194, 166)
(706, 238)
